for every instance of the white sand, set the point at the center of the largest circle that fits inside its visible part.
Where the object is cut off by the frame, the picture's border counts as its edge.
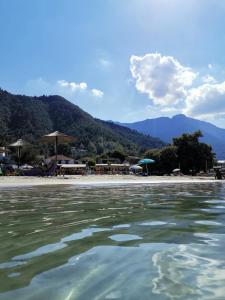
(17, 181)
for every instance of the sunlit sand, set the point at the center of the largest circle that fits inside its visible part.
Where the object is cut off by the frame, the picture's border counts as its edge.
(17, 181)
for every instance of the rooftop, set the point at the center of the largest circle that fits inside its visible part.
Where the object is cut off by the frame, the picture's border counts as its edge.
(60, 157)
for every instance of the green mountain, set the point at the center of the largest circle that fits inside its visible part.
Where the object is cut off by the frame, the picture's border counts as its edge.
(32, 117)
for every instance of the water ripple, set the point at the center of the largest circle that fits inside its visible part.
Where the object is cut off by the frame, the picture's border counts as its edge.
(149, 242)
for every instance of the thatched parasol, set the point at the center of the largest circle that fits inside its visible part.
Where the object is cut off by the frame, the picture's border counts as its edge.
(19, 144)
(57, 138)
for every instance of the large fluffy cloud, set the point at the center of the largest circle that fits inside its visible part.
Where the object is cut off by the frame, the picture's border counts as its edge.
(169, 85)
(163, 78)
(207, 100)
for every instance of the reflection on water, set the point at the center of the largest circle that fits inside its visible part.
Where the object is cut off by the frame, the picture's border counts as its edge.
(149, 242)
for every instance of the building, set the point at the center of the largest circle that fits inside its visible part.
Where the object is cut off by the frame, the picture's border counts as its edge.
(4, 155)
(61, 159)
(78, 151)
(221, 163)
(3, 152)
(111, 168)
(120, 168)
(73, 169)
(101, 169)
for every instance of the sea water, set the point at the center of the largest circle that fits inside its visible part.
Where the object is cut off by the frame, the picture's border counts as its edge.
(118, 242)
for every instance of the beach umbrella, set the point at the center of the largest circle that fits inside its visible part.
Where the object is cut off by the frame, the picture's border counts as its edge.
(57, 138)
(136, 168)
(26, 167)
(19, 144)
(176, 170)
(146, 161)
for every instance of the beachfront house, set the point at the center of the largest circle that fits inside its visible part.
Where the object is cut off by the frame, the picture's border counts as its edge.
(78, 151)
(73, 169)
(101, 169)
(61, 159)
(113, 168)
(3, 152)
(221, 163)
(4, 155)
(67, 165)
(120, 168)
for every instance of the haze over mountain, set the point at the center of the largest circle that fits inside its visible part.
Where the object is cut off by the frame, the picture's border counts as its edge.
(32, 117)
(166, 128)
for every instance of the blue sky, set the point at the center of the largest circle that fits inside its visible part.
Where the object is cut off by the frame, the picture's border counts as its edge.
(122, 60)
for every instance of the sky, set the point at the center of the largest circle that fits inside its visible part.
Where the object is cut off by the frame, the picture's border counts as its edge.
(121, 60)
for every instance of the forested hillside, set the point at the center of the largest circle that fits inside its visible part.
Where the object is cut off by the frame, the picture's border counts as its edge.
(31, 117)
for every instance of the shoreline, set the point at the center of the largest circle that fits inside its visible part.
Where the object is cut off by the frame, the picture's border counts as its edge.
(100, 180)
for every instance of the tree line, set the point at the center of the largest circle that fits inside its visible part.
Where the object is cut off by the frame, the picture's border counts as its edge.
(186, 153)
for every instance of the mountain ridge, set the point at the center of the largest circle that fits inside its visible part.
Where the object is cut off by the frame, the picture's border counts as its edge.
(167, 128)
(32, 117)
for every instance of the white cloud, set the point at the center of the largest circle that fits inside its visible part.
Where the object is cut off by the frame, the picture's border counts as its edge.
(207, 100)
(208, 79)
(76, 87)
(73, 86)
(97, 93)
(163, 78)
(170, 110)
(105, 63)
(169, 85)
(69, 90)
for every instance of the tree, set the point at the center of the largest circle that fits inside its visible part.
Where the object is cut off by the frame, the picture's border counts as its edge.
(192, 154)
(165, 159)
(187, 152)
(28, 155)
(117, 154)
(155, 155)
(168, 159)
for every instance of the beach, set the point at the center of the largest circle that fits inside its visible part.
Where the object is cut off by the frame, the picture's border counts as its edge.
(22, 181)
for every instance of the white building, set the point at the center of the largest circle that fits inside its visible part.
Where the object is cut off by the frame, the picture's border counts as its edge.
(221, 163)
(3, 152)
(61, 159)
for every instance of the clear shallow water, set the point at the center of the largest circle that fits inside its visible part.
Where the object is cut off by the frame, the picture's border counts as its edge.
(158, 242)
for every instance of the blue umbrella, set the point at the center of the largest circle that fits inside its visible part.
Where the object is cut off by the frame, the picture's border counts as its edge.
(146, 161)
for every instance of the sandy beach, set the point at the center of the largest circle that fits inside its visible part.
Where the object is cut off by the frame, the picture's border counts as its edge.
(20, 181)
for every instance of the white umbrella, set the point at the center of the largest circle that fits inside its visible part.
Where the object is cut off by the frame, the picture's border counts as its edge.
(136, 167)
(26, 167)
(176, 170)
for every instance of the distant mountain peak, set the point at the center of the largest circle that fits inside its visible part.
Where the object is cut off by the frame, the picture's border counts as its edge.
(166, 128)
(180, 116)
